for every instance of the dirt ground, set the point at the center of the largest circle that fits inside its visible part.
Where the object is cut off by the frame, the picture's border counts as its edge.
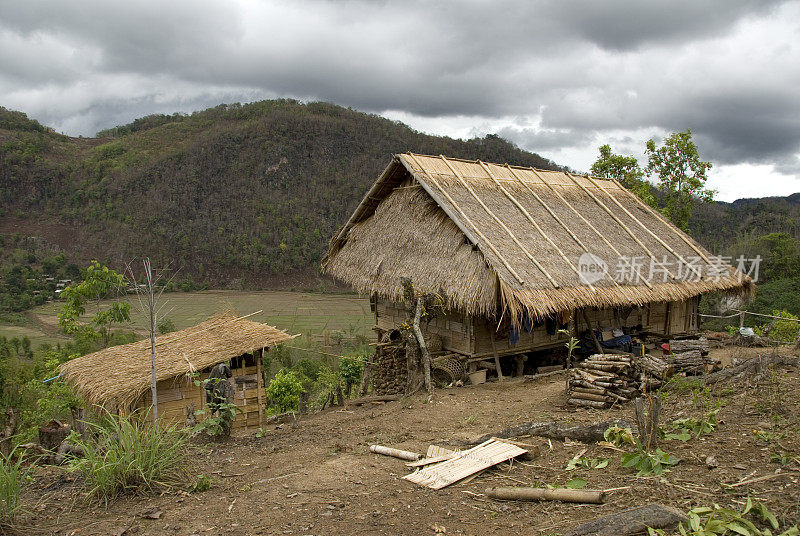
(319, 478)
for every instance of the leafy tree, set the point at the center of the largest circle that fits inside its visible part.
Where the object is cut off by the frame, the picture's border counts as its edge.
(681, 175)
(99, 282)
(780, 256)
(626, 170)
(284, 391)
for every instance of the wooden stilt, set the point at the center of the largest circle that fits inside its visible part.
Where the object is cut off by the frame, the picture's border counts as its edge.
(494, 351)
(591, 332)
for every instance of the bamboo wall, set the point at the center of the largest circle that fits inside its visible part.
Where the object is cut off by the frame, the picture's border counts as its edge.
(177, 393)
(454, 328)
(537, 339)
(472, 337)
(673, 318)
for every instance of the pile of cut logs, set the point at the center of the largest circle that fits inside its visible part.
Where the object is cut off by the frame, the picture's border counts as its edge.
(691, 356)
(389, 373)
(602, 380)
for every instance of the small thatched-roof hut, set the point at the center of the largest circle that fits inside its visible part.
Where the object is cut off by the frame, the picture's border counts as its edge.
(522, 245)
(119, 378)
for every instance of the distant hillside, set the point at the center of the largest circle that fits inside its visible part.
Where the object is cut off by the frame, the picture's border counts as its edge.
(720, 226)
(237, 191)
(251, 191)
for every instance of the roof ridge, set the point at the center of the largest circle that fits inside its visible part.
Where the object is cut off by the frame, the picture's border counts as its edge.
(506, 164)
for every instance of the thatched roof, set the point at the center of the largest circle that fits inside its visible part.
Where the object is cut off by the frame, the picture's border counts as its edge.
(117, 376)
(493, 238)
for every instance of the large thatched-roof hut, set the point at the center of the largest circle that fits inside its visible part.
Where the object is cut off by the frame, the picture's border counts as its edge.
(508, 248)
(119, 378)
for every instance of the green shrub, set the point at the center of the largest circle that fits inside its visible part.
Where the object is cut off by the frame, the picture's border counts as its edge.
(284, 391)
(685, 429)
(754, 520)
(166, 326)
(309, 369)
(11, 473)
(128, 454)
(646, 463)
(783, 330)
(350, 370)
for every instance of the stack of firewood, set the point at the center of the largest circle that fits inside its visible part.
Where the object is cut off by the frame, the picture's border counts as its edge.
(693, 363)
(691, 356)
(602, 380)
(677, 346)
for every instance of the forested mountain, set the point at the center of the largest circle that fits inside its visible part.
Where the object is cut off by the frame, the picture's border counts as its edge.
(719, 226)
(250, 191)
(235, 191)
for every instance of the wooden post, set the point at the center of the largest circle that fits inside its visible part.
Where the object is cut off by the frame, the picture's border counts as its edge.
(78, 421)
(261, 394)
(494, 351)
(426, 356)
(647, 412)
(520, 366)
(741, 319)
(591, 332)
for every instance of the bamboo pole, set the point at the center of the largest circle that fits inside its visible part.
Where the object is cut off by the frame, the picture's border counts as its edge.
(499, 222)
(643, 226)
(395, 453)
(585, 221)
(620, 222)
(465, 218)
(546, 494)
(530, 218)
(661, 217)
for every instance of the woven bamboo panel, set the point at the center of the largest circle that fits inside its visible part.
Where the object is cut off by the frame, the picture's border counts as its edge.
(469, 462)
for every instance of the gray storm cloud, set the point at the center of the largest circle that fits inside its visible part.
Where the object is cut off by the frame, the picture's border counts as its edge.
(728, 69)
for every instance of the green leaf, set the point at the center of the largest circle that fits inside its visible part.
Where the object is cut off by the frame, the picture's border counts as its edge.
(694, 522)
(630, 460)
(739, 528)
(748, 506)
(575, 483)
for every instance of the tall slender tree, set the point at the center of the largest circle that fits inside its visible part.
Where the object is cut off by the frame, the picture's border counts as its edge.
(681, 175)
(148, 294)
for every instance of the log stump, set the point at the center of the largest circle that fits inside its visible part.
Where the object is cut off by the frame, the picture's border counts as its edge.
(52, 434)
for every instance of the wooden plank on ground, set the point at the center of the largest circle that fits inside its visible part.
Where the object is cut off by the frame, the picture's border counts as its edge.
(464, 464)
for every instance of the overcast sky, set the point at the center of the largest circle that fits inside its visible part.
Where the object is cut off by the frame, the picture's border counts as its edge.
(559, 78)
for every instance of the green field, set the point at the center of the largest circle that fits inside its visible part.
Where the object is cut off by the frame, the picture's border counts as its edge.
(296, 312)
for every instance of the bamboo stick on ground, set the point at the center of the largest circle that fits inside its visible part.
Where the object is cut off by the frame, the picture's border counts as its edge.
(545, 494)
(395, 453)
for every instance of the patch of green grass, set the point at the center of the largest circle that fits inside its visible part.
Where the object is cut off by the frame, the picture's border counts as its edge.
(11, 474)
(30, 330)
(297, 312)
(130, 455)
